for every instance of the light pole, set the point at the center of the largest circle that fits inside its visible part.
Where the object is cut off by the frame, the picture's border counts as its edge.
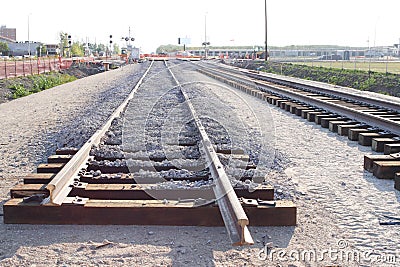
(266, 34)
(205, 35)
(111, 45)
(128, 39)
(128, 51)
(29, 42)
(370, 56)
(205, 43)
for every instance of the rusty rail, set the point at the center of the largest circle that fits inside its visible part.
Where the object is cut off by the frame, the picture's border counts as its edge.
(235, 219)
(59, 187)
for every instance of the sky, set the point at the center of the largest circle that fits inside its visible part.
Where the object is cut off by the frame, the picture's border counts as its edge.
(226, 22)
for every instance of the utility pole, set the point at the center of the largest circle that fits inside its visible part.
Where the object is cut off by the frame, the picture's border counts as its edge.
(205, 43)
(29, 42)
(205, 35)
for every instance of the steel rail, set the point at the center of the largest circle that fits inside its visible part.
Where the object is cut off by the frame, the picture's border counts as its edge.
(329, 90)
(367, 118)
(235, 219)
(317, 87)
(60, 185)
(382, 123)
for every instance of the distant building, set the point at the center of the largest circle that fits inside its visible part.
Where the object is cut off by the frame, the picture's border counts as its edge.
(10, 33)
(52, 49)
(22, 49)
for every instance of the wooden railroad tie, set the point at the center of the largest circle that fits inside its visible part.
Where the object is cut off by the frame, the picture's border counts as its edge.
(123, 201)
(397, 181)
(383, 166)
(142, 212)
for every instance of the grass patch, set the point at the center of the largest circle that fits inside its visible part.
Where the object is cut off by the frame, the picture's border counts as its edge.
(32, 84)
(363, 65)
(19, 91)
(379, 82)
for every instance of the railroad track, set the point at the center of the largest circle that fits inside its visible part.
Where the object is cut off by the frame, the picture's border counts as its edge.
(156, 161)
(370, 121)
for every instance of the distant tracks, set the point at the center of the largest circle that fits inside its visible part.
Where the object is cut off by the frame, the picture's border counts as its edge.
(370, 121)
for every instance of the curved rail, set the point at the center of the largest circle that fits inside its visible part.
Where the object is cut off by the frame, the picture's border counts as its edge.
(60, 185)
(318, 87)
(232, 212)
(295, 94)
(327, 89)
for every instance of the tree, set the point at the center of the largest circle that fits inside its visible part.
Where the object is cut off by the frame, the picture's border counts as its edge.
(77, 49)
(41, 50)
(168, 48)
(63, 43)
(116, 49)
(4, 48)
(101, 48)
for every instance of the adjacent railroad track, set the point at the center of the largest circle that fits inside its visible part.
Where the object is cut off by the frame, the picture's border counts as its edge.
(155, 161)
(369, 120)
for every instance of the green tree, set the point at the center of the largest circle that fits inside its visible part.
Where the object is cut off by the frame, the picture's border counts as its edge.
(168, 48)
(77, 49)
(116, 49)
(4, 48)
(93, 48)
(41, 50)
(100, 48)
(63, 44)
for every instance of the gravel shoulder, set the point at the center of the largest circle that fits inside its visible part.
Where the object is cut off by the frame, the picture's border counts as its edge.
(33, 127)
(339, 205)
